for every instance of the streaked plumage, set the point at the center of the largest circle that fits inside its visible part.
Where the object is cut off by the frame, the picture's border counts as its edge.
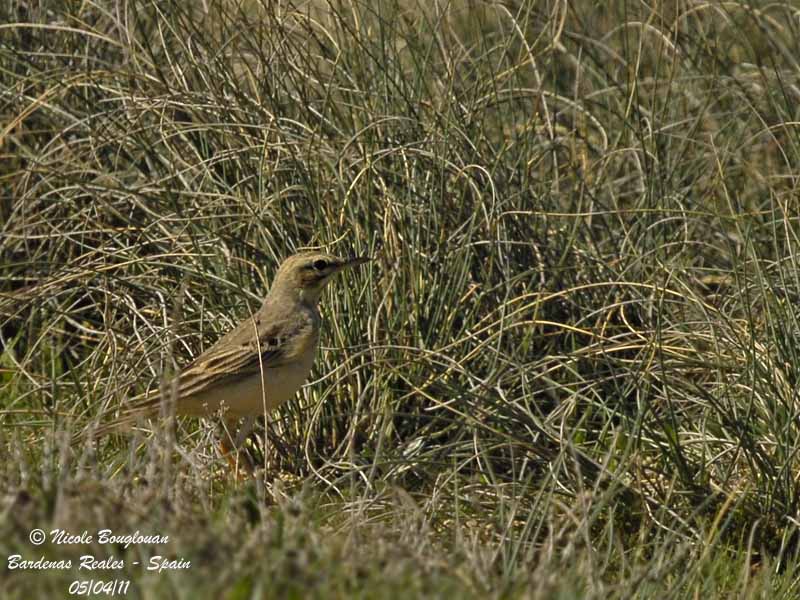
(262, 362)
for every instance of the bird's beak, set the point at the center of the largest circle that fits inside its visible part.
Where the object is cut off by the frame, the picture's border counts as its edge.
(352, 262)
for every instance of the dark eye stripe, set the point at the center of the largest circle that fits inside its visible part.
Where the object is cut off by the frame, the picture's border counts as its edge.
(320, 264)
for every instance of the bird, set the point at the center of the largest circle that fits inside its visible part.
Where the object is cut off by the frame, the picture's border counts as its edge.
(258, 365)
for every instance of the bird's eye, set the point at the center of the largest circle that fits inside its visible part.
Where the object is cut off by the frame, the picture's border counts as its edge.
(320, 264)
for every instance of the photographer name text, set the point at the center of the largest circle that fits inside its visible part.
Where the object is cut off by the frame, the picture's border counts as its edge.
(105, 536)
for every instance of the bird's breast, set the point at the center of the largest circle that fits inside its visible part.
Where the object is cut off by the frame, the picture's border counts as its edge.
(265, 391)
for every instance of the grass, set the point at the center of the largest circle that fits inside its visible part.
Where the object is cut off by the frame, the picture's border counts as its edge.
(570, 372)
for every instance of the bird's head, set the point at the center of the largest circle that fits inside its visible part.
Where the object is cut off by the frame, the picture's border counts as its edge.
(306, 274)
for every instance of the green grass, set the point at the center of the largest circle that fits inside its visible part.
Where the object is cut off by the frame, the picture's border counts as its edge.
(570, 372)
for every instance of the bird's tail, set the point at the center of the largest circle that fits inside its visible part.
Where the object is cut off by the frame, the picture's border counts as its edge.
(141, 408)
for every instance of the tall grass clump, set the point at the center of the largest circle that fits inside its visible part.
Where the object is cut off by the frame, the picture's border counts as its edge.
(572, 367)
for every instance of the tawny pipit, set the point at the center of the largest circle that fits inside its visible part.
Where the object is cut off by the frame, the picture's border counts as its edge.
(262, 362)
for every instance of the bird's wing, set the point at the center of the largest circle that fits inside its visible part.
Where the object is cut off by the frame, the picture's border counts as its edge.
(251, 347)
(238, 356)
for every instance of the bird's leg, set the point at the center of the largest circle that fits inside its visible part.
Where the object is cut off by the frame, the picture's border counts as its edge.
(245, 429)
(233, 438)
(227, 445)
